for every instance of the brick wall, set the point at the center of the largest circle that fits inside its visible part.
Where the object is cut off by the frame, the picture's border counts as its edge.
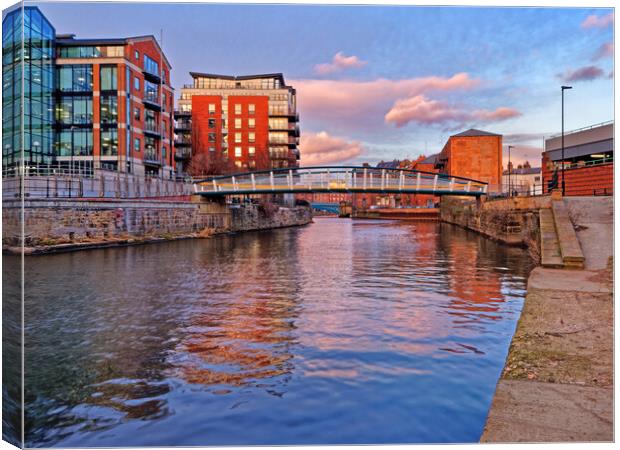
(592, 180)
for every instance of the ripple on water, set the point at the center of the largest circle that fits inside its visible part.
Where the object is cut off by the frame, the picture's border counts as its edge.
(338, 332)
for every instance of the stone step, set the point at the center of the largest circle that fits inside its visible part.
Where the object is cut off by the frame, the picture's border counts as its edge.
(570, 250)
(550, 254)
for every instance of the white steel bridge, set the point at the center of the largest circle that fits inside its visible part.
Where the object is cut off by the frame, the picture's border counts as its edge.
(348, 179)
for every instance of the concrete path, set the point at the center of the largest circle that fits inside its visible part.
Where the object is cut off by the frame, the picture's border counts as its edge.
(557, 384)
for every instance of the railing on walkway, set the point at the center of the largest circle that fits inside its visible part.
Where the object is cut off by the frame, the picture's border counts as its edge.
(57, 182)
(340, 179)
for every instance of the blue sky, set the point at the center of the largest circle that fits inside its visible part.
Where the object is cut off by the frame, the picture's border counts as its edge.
(394, 91)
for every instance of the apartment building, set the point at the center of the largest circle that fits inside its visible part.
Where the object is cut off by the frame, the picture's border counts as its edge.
(227, 124)
(89, 103)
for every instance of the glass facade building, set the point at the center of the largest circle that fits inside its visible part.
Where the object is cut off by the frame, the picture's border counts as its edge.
(29, 129)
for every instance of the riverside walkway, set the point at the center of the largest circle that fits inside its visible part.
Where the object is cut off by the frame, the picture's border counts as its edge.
(557, 384)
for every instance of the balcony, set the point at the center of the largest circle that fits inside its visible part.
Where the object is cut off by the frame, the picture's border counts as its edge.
(151, 76)
(151, 101)
(183, 126)
(182, 154)
(290, 141)
(178, 113)
(182, 141)
(151, 157)
(152, 129)
(284, 113)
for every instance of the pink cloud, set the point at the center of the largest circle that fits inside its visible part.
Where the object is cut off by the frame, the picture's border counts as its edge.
(595, 21)
(522, 153)
(605, 51)
(354, 101)
(339, 62)
(320, 148)
(586, 73)
(420, 109)
(501, 113)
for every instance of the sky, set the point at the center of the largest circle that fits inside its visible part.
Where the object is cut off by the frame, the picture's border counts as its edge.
(388, 82)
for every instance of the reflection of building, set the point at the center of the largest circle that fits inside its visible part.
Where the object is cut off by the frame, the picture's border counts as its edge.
(89, 103)
(227, 124)
(588, 158)
(473, 154)
(523, 181)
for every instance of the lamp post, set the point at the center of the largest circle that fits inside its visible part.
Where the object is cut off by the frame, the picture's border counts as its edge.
(563, 183)
(509, 170)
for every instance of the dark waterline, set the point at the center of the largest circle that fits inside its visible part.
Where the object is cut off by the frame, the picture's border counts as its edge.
(338, 332)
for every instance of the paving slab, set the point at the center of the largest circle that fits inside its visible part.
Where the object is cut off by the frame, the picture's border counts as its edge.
(529, 411)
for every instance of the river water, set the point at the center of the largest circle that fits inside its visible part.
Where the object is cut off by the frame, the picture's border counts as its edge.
(338, 332)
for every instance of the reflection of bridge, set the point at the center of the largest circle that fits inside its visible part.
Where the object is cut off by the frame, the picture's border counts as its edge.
(333, 208)
(339, 179)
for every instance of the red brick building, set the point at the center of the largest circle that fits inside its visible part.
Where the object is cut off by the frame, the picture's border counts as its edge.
(588, 160)
(228, 124)
(473, 154)
(114, 105)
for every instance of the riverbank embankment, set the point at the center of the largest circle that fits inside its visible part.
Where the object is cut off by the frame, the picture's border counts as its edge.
(54, 225)
(557, 383)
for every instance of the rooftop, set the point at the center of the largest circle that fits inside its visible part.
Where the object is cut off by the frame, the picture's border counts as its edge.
(473, 132)
(278, 75)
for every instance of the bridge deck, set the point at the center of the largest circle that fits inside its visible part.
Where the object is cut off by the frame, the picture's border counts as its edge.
(346, 179)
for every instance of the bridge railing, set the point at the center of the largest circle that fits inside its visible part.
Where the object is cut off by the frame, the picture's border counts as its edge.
(339, 179)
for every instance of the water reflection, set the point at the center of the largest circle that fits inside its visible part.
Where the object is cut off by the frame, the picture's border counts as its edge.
(339, 332)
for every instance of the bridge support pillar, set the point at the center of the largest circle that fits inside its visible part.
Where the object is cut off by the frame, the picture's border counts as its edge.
(480, 200)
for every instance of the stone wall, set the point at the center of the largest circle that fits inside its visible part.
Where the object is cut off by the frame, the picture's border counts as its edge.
(54, 223)
(260, 217)
(513, 221)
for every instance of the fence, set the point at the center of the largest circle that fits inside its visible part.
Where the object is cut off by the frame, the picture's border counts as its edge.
(57, 182)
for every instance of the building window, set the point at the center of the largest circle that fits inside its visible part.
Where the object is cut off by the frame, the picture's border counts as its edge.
(150, 65)
(109, 143)
(238, 164)
(108, 109)
(252, 164)
(252, 137)
(74, 110)
(108, 78)
(211, 149)
(136, 113)
(75, 78)
(136, 144)
(252, 108)
(238, 137)
(136, 83)
(251, 151)
(163, 101)
(150, 92)
(211, 137)
(137, 54)
(211, 124)
(211, 108)
(237, 123)
(237, 108)
(252, 123)
(237, 152)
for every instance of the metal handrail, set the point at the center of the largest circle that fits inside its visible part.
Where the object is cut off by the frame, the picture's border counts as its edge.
(358, 168)
(596, 125)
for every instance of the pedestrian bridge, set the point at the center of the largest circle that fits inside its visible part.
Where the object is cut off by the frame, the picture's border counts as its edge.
(349, 179)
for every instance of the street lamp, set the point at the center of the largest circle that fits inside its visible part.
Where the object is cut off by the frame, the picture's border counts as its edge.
(563, 185)
(509, 167)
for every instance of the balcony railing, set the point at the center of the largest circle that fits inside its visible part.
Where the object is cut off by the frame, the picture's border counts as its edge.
(151, 156)
(182, 140)
(151, 99)
(152, 128)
